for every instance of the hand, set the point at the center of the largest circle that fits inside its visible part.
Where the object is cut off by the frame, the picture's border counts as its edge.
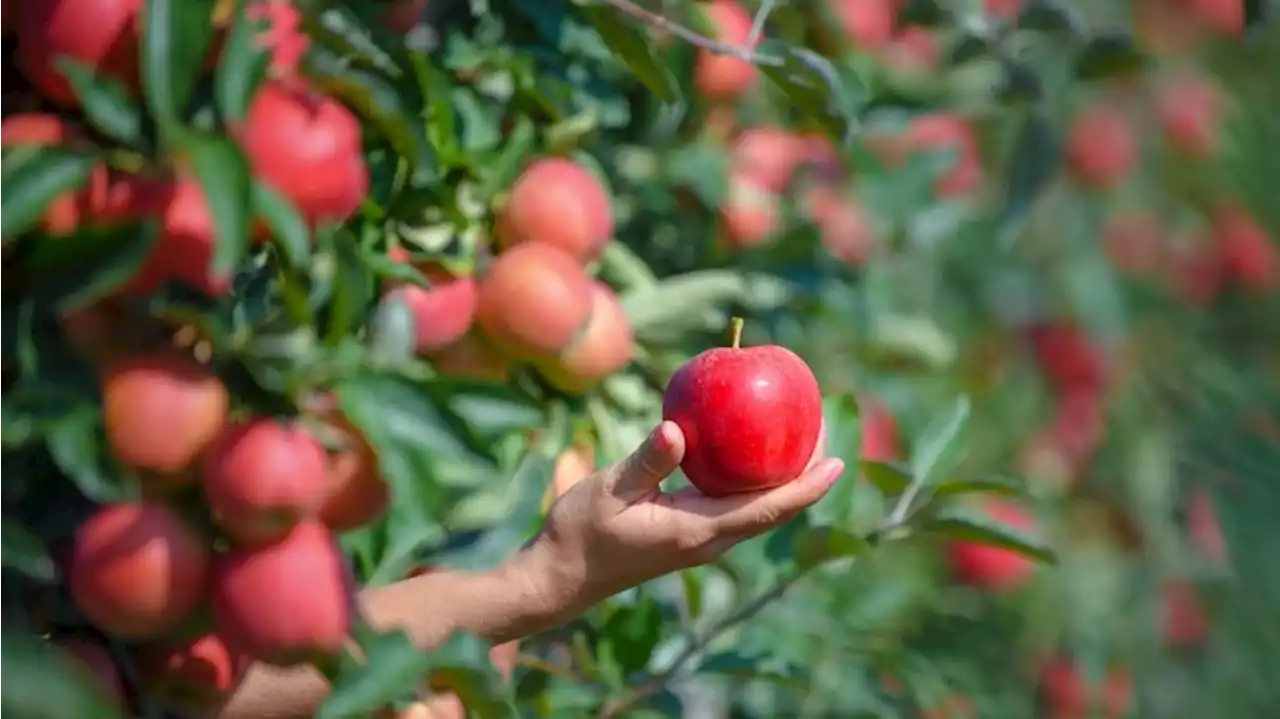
(617, 528)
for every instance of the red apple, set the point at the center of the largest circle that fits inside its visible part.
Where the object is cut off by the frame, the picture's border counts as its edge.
(990, 567)
(751, 416)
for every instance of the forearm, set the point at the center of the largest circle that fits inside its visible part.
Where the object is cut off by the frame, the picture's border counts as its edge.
(520, 598)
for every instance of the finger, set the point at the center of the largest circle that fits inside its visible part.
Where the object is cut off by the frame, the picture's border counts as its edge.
(653, 461)
(820, 447)
(746, 515)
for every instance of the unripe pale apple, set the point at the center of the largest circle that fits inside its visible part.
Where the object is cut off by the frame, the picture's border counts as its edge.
(751, 416)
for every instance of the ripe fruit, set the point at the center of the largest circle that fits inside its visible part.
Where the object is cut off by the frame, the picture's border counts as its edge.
(867, 23)
(307, 147)
(1003, 9)
(1247, 253)
(283, 36)
(1183, 622)
(879, 433)
(136, 569)
(1223, 17)
(443, 312)
(1189, 109)
(161, 411)
(572, 466)
(401, 16)
(187, 242)
(101, 34)
(534, 300)
(1068, 696)
(843, 225)
(750, 416)
(560, 203)
(914, 53)
(100, 668)
(990, 567)
(1133, 243)
(356, 493)
(1204, 530)
(945, 132)
(749, 214)
(264, 476)
(605, 346)
(193, 676)
(288, 602)
(722, 77)
(1100, 149)
(1067, 357)
(766, 157)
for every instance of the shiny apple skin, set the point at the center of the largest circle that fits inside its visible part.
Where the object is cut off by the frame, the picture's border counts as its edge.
(750, 417)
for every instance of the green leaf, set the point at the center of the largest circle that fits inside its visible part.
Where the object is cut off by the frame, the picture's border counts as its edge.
(828, 95)
(35, 184)
(23, 551)
(631, 634)
(1037, 155)
(46, 683)
(966, 48)
(393, 668)
(1109, 56)
(105, 102)
(691, 581)
(175, 40)
(392, 332)
(463, 666)
(339, 29)
(502, 172)
(379, 102)
(76, 271)
(941, 443)
(288, 231)
(823, 544)
(242, 66)
(412, 439)
(636, 48)
(981, 530)
(892, 478)
(78, 447)
(991, 484)
(677, 300)
(223, 172)
(441, 116)
(1051, 16)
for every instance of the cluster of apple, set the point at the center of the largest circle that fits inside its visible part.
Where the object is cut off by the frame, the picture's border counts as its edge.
(249, 570)
(535, 302)
(767, 164)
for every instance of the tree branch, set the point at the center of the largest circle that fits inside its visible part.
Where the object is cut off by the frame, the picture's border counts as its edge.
(697, 40)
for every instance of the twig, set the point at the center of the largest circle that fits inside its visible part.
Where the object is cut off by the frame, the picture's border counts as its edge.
(691, 37)
(745, 612)
(757, 25)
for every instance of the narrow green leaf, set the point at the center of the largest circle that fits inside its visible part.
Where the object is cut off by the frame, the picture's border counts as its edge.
(823, 544)
(392, 332)
(1035, 162)
(78, 447)
(23, 551)
(992, 484)
(632, 632)
(973, 528)
(105, 102)
(829, 96)
(462, 665)
(76, 271)
(288, 230)
(36, 183)
(636, 48)
(379, 102)
(441, 118)
(46, 683)
(506, 166)
(392, 670)
(892, 478)
(176, 35)
(940, 444)
(691, 581)
(1109, 56)
(242, 66)
(339, 29)
(223, 173)
(678, 299)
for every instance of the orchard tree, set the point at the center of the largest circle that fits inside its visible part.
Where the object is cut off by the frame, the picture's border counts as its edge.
(304, 297)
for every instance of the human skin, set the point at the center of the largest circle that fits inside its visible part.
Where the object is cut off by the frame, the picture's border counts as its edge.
(613, 530)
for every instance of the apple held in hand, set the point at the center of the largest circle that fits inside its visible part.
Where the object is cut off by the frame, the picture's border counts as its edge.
(751, 416)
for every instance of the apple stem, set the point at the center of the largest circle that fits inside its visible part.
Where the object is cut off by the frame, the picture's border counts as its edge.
(735, 331)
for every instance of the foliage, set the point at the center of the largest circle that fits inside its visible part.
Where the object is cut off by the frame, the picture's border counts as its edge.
(968, 298)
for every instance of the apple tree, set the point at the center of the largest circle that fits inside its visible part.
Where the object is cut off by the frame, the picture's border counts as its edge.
(305, 296)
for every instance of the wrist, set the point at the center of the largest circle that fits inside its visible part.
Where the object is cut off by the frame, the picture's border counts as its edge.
(552, 590)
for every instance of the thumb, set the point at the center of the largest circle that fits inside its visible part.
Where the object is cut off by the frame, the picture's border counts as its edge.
(653, 461)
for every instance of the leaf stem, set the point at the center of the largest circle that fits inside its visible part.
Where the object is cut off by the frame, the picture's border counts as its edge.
(735, 332)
